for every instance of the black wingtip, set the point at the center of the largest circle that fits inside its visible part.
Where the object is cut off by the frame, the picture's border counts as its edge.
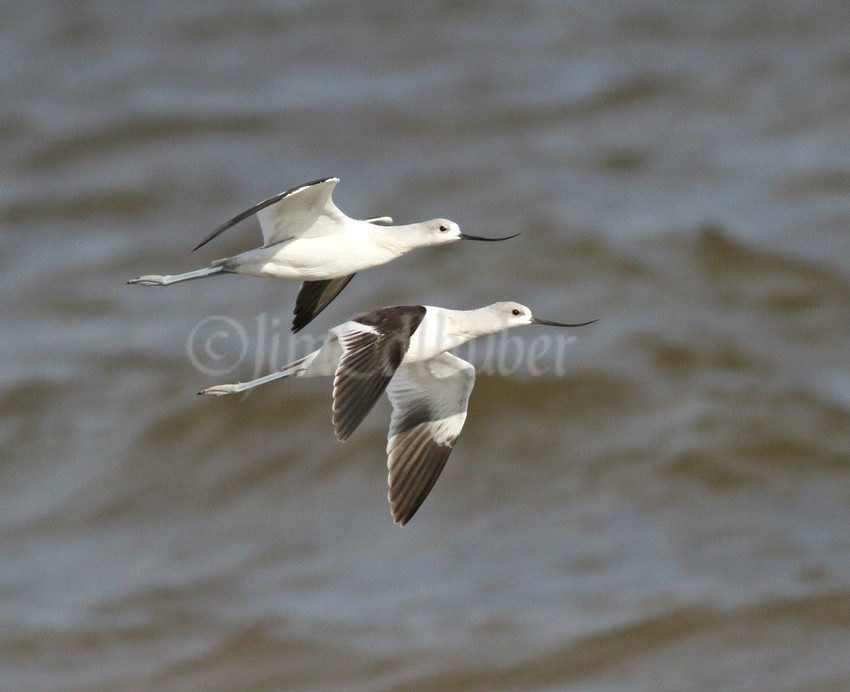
(315, 296)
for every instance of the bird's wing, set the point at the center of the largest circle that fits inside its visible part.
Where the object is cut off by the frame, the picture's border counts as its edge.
(429, 402)
(314, 297)
(304, 210)
(373, 346)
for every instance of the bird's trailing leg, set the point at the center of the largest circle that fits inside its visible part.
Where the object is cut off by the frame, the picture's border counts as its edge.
(286, 371)
(157, 280)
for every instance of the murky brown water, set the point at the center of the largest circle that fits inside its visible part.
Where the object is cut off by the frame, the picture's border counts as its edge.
(671, 513)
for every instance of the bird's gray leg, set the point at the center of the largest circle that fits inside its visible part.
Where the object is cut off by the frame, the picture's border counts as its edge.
(293, 368)
(157, 280)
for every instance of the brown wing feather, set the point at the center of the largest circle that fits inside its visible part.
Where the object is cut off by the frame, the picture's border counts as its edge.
(371, 354)
(429, 402)
(416, 463)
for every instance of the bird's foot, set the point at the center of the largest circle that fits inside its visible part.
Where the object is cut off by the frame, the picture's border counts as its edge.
(220, 390)
(149, 280)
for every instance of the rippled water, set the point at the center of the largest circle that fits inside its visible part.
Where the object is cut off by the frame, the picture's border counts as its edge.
(670, 512)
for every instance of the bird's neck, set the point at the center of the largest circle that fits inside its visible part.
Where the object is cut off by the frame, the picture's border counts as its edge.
(396, 239)
(467, 324)
(473, 324)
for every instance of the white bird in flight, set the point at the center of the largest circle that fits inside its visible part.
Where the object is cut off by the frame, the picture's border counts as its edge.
(403, 350)
(306, 238)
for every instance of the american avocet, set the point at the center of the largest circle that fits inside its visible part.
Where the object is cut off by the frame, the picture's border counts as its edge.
(306, 238)
(403, 350)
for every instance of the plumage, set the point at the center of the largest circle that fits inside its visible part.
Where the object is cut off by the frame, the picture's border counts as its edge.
(315, 194)
(372, 348)
(314, 297)
(403, 350)
(429, 401)
(307, 238)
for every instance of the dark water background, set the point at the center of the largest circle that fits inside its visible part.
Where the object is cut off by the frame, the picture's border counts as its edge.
(673, 513)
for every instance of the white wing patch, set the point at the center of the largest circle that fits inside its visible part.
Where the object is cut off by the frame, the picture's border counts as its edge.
(315, 195)
(307, 211)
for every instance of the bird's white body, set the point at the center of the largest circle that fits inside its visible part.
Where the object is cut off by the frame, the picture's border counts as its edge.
(362, 245)
(404, 351)
(439, 331)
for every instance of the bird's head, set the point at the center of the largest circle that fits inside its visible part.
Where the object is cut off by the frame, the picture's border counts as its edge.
(443, 231)
(509, 314)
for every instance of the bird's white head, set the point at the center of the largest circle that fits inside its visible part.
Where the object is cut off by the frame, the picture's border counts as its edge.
(439, 232)
(499, 316)
(443, 232)
(508, 314)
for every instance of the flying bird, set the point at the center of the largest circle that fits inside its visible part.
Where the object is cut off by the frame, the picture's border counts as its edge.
(306, 238)
(403, 350)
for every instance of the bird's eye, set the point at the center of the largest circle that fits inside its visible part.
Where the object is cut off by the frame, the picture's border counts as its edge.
(515, 312)
(443, 229)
